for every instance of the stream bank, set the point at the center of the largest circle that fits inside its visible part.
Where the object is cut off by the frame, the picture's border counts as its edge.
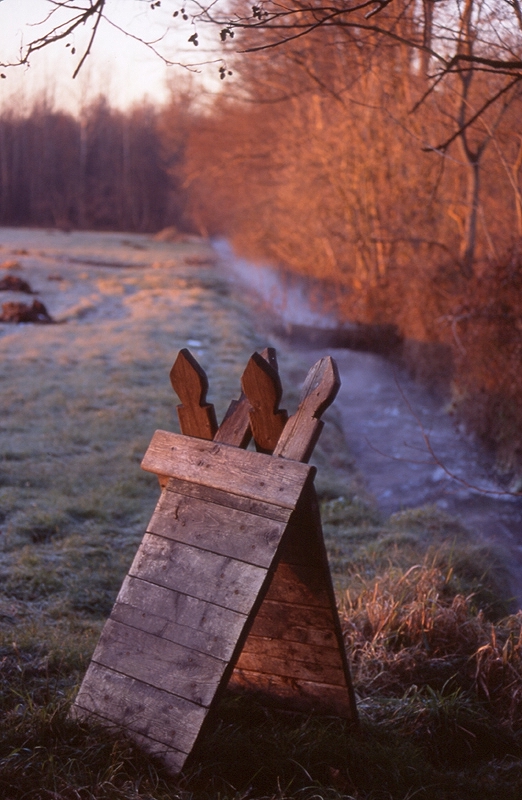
(409, 450)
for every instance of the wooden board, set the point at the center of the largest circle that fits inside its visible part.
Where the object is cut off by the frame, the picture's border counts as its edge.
(161, 723)
(220, 466)
(296, 638)
(295, 694)
(206, 525)
(192, 591)
(178, 617)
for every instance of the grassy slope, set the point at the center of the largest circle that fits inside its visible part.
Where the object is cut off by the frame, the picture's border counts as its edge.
(440, 716)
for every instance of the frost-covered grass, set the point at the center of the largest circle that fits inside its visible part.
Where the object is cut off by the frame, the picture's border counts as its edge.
(437, 674)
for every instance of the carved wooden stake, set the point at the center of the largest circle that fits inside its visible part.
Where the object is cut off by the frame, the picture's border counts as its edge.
(262, 386)
(189, 381)
(303, 429)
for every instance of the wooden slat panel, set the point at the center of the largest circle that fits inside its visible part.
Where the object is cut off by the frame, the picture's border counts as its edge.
(301, 695)
(221, 530)
(288, 668)
(304, 652)
(299, 583)
(280, 614)
(294, 623)
(222, 498)
(255, 475)
(172, 759)
(178, 617)
(158, 662)
(217, 579)
(301, 543)
(139, 708)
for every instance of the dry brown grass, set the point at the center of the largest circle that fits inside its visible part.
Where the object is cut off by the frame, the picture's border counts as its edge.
(409, 629)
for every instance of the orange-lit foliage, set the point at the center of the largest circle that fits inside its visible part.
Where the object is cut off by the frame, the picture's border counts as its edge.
(315, 161)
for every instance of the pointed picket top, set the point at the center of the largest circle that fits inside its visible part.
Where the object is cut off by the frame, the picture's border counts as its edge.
(189, 381)
(235, 426)
(262, 386)
(302, 430)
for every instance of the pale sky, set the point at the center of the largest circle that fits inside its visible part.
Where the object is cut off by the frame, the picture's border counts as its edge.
(118, 66)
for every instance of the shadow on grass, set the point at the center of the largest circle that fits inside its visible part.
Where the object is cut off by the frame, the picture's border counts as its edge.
(428, 745)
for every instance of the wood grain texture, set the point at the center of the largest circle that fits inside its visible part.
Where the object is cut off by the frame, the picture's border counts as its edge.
(235, 427)
(189, 381)
(303, 584)
(217, 579)
(158, 662)
(178, 617)
(121, 701)
(226, 531)
(262, 386)
(230, 584)
(303, 429)
(293, 693)
(240, 472)
(315, 656)
(290, 668)
(296, 634)
(293, 622)
(172, 760)
(228, 500)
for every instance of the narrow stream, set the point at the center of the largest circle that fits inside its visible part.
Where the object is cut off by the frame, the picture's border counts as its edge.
(409, 451)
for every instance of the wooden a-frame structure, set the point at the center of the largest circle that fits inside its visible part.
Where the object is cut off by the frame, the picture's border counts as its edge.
(230, 587)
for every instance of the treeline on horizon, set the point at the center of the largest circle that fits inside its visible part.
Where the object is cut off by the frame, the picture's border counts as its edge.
(312, 158)
(102, 170)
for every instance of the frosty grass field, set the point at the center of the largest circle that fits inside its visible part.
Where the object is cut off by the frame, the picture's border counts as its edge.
(438, 680)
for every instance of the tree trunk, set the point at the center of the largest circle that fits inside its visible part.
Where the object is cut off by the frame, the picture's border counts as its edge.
(467, 250)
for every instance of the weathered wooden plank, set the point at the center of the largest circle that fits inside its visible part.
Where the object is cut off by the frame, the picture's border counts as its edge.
(241, 472)
(235, 426)
(189, 381)
(302, 543)
(294, 622)
(319, 637)
(315, 656)
(119, 700)
(178, 617)
(221, 530)
(158, 662)
(289, 668)
(262, 385)
(302, 431)
(189, 570)
(172, 760)
(228, 500)
(292, 693)
(303, 584)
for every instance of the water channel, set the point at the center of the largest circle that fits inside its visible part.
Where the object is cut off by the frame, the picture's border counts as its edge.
(406, 446)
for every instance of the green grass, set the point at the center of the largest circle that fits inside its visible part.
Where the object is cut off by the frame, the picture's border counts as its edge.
(437, 664)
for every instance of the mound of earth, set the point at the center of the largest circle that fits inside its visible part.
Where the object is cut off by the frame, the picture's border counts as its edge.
(12, 283)
(21, 312)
